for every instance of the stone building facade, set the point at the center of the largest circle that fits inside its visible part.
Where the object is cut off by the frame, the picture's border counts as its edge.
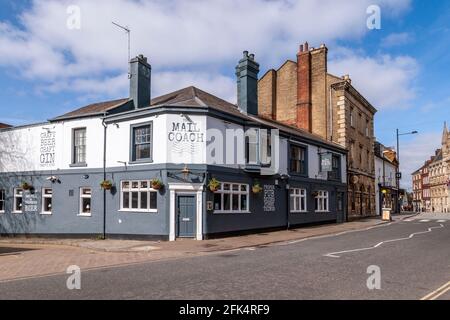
(303, 94)
(433, 194)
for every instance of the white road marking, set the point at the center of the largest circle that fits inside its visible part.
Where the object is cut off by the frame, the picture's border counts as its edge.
(440, 221)
(424, 220)
(409, 220)
(337, 254)
(438, 292)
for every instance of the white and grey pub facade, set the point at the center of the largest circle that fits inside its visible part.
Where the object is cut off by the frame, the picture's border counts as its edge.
(50, 173)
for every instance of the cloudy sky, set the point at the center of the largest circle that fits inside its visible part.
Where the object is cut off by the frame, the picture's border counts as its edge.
(47, 68)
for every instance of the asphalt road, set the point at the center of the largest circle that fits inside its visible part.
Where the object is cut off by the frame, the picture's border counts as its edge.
(332, 267)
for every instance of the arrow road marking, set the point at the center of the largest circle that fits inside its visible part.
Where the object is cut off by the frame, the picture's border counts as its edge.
(337, 254)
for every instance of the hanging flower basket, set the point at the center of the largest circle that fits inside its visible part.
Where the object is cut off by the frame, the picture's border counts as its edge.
(156, 184)
(315, 193)
(106, 184)
(256, 188)
(214, 185)
(26, 186)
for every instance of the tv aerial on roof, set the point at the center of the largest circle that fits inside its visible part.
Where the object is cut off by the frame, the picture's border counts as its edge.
(128, 31)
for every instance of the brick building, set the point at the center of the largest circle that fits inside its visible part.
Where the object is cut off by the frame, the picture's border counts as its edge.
(303, 94)
(434, 176)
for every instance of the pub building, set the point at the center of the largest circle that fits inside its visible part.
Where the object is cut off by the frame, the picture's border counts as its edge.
(184, 165)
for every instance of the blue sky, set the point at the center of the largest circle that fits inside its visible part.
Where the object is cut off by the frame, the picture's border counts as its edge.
(47, 69)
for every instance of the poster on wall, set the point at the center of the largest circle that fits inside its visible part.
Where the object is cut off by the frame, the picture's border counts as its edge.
(185, 139)
(30, 202)
(269, 198)
(47, 148)
(326, 162)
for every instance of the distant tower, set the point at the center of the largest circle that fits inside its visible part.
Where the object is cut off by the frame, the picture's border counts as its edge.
(445, 141)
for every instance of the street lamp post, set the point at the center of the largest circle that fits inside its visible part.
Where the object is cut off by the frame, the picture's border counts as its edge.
(398, 167)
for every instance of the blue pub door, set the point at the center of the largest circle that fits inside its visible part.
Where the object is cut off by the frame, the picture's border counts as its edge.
(186, 219)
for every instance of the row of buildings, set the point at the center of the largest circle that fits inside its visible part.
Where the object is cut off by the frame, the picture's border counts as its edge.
(431, 182)
(297, 148)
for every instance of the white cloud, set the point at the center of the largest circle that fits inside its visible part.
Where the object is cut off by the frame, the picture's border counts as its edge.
(415, 151)
(175, 34)
(386, 81)
(397, 39)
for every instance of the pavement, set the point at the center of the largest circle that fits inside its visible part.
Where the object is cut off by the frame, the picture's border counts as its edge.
(408, 259)
(35, 257)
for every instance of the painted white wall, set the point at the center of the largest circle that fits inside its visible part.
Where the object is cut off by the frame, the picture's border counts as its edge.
(48, 146)
(176, 139)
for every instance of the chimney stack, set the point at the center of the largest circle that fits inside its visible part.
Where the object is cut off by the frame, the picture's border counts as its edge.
(304, 88)
(140, 78)
(247, 84)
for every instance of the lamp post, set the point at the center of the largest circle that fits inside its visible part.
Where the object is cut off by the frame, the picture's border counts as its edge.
(397, 176)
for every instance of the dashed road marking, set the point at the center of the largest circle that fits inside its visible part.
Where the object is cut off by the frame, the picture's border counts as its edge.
(337, 254)
(440, 221)
(424, 220)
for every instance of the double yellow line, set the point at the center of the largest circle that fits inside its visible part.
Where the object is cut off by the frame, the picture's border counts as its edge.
(438, 292)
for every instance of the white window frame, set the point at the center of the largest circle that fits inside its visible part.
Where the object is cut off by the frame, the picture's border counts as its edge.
(3, 199)
(79, 147)
(83, 196)
(46, 196)
(323, 198)
(301, 195)
(251, 135)
(18, 193)
(139, 190)
(232, 192)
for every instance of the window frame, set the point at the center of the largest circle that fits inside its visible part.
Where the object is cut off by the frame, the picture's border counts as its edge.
(222, 192)
(247, 143)
(302, 195)
(339, 168)
(324, 196)
(138, 190)
(133, 127)
(2, 200)
(83, 196)
(73, 162)
(305, 161)
(15, 196)
(46, 196)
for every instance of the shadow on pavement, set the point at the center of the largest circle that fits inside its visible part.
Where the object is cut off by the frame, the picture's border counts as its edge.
(12, 250)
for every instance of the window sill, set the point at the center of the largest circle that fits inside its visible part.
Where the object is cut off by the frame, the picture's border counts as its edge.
(45, 213)
(138, 211)
(17, 212)
(143, 161)
(78, 165)
(84, 215)
(231, 212)
(299, 212)
(298, 175)
(321, 211)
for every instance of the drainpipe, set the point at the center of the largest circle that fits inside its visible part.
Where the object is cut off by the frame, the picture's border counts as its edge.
(105, 126)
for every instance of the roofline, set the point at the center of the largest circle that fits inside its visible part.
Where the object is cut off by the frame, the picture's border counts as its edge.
(30, 125)
(243, 120)
(92, 114)
(345, 85)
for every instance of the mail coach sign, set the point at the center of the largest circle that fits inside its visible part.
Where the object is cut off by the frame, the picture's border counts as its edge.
(47, 148)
